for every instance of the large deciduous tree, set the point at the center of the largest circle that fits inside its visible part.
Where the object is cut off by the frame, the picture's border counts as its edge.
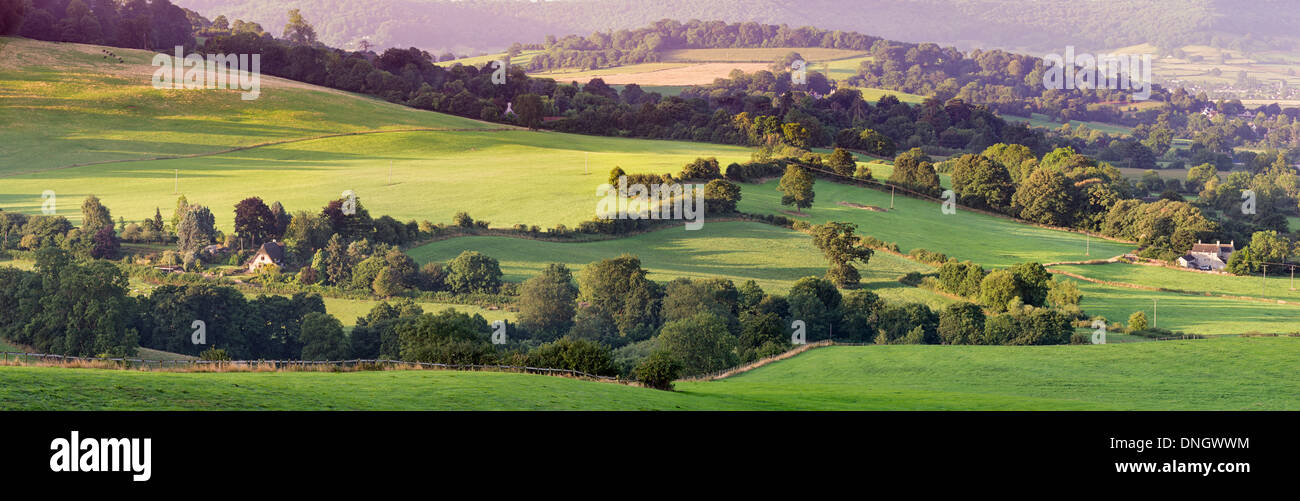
(546, 302)
(841, 247)
(796, 187)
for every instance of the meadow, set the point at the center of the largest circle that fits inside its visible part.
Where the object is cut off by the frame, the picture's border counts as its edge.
(1276, 286)
(916, 223)
(1213, 374)
(757, 55)
(505, 177)
(1187, 313)
(102, 111)
(773, 257)
(1040, 120)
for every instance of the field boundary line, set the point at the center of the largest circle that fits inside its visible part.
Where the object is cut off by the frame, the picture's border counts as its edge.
(263, 145)
(277, 365)
(726, 373)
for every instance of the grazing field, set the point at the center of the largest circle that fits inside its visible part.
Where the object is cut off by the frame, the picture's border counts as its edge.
(766, 55)
(1276, 286)
(1214, 374)
(1187, 313)
(1040, 120)
(347, 310)
(771, 256)
(913, 223)
(96, 111)
(523, 58)
(66, 94)
(535, 177)
(659, 74)
(873, 95)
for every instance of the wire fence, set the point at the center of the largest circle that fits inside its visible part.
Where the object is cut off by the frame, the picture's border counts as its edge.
(357, 364)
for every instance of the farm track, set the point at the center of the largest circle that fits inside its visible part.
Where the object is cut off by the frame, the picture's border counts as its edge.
(263, 145)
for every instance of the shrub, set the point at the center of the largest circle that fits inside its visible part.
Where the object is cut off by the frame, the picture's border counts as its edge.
(911, 279)
(659, 370)
(1137, 321)
(574, 354)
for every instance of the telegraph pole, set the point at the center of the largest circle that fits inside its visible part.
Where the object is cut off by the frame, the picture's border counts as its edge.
(1155, 312)
(1263, 282)
(176, 186)
(891, 197)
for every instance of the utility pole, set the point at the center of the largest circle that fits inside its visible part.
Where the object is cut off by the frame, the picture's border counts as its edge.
(1293, 277)
(176, 186)
(1155, 312)
(1263, 283)
(1087, 238)
(891, 197)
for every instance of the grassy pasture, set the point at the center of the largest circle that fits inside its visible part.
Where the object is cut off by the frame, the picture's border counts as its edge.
(95, 110)
(1276, 286)
(347, 310)
(1215, 374)
(505, 177)
(987, 240)
(659, 74)
(773, 257)
(756, 55)
(1190, 314)
(1040, 120)
(523, 58)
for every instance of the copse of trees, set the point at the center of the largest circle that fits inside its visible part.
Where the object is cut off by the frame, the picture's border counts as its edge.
(67, 308)
(266, 327)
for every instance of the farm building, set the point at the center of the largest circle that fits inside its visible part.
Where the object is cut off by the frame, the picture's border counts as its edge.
(269, 253)
(1210, 257)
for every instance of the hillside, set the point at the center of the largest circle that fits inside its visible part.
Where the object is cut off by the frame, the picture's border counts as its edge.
(101, 110)
(97, 110)
(1218, 374)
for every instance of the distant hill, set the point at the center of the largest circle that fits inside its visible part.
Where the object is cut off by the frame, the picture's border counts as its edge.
(483, 25)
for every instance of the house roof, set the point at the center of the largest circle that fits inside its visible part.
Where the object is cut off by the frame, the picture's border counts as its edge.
(1212, 248)
(273, 250)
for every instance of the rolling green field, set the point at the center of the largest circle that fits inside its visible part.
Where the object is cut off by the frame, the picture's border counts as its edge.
(347, 310)
(1190, 314)
(756, 54)
(987, 240)
(1276, 286)
(1040, 120)
(100, 111)
(771, 256)
(1215, 374)
(505, 177)
(97, 111)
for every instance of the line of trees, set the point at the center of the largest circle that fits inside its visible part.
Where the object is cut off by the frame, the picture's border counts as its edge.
(137, 24)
